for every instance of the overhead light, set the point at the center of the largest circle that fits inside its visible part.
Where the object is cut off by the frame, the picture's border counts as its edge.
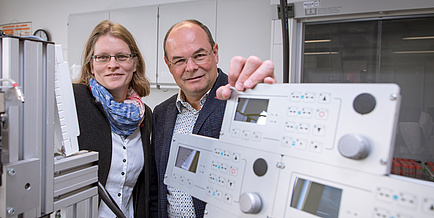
(413, 52)
(318, 40)
(321, 53)
(418, 37)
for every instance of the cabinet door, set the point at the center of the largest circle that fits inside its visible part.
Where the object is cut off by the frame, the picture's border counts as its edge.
(244, 29)
(142, 23)
(204, 11)
(80, 27)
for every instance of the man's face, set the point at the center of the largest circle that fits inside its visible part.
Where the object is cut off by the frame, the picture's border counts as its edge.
(190, 43)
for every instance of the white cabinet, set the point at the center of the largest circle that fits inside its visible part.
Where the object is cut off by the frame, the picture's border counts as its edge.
(80, 27)
(244, 29)
(142, 23)
(204, 11)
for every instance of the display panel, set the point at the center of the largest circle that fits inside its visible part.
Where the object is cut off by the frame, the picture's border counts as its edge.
(316, 198)
(187, 159)
(252, 110)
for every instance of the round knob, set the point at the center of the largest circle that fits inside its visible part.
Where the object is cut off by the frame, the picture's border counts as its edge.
(354, 146)
(364, 103)
(250, 203)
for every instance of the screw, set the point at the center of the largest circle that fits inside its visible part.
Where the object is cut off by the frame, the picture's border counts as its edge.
(383, 161)
(393, 96)
(11, 171)
(11, 211)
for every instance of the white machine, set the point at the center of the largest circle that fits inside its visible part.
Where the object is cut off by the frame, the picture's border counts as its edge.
(35, 181)
(301, 150)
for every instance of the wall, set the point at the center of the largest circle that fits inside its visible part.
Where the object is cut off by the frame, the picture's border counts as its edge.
(53, 16)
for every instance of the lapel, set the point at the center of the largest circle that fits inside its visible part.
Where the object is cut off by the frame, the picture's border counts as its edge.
(167, 128)
(211, 103)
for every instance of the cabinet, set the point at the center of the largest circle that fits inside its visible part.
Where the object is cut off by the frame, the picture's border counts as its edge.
(240, 27)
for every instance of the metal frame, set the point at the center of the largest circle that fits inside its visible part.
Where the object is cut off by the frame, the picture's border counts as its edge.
(35, 181)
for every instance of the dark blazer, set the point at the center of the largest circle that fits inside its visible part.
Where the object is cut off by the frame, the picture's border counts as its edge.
(208, 124)
(95, 135)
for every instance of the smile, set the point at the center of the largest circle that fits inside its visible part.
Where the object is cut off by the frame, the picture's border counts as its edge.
(194, 78)
(115, 74)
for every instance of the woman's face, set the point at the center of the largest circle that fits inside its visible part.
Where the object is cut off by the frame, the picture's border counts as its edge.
(114, 76)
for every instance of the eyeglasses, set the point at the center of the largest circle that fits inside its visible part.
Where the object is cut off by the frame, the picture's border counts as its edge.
(107, 58)
(199, 58)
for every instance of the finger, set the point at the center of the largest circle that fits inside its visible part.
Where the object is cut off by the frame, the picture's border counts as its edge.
(235, 67)
(224, 92)
(270, 80)
(264, 73)
(251, 65)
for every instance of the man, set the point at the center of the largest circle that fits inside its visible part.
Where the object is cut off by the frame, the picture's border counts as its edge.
(192, 56)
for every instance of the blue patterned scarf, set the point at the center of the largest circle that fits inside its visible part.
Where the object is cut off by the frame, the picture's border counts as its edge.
(124, 117)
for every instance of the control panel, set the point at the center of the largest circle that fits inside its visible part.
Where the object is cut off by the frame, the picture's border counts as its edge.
(301, 150)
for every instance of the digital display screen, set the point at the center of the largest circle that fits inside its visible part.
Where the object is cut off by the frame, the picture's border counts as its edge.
(187, 159)
(315, 198)
(252, 110)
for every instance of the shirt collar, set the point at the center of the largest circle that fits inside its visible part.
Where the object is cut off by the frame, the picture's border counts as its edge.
(181, 102)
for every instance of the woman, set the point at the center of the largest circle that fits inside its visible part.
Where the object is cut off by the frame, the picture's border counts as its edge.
(114, 121)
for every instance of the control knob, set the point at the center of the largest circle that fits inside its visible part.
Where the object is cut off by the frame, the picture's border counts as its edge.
(250, 203)
(354, 146)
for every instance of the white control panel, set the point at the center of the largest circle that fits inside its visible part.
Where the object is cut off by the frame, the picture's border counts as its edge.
(301, 150)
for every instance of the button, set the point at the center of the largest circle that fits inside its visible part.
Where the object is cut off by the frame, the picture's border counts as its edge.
(230, 184)
(217, 152)
(212, 178)
(321, 114)
(315, 146)
(236, 157)
(245, 135)
(124, 147)
(124, 160)
(189, 183)
(256, 136)
(319, 130)
(324, 98)
(209, 191)
(228, 198)
(233, 171)
(306, 112)
(119, 194)
(303, 128)
(295, 96)
(235, 133)
(287, 141)
(308, 97)
(226, 154)
(292, 111)
(123, 173)
(290, 126)
(175, 177)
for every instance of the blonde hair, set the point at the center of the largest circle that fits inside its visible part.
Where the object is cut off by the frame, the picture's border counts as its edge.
(139, 83)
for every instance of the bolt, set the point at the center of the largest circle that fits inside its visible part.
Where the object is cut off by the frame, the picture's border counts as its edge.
(383, 161)
(11, 171)
(11, 211)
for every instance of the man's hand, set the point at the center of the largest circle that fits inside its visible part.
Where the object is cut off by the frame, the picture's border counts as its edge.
(245, 74)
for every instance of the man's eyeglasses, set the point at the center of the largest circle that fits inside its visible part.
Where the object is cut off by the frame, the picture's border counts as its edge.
(118, 58)
(199, 58)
